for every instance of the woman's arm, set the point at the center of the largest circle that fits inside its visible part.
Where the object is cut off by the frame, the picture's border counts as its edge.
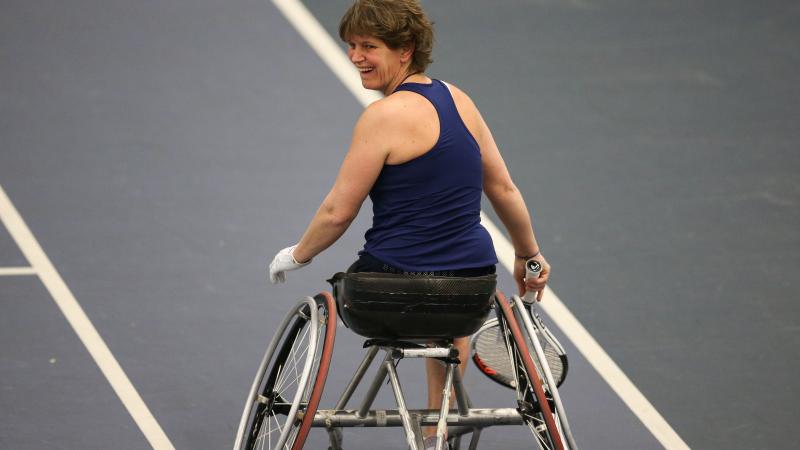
(510, 207)
(361, 166)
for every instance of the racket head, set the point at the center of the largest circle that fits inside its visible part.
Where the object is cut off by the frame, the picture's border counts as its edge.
(490, 354)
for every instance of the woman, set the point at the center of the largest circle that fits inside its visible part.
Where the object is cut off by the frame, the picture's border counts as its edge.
(424, 155)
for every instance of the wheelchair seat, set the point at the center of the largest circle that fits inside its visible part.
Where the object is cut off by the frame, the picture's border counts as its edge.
(394, 306)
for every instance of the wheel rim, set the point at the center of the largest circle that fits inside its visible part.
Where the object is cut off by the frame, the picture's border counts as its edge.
(286, 391)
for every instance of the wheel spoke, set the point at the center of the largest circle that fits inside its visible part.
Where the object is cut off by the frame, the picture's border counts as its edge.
(300, 339)
(282, 385)
(292, 382)
(288, 381)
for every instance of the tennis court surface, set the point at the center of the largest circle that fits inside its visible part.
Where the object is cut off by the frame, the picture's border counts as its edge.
(155, 155)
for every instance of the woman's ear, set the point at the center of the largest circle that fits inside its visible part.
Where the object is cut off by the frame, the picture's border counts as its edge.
(406, 53)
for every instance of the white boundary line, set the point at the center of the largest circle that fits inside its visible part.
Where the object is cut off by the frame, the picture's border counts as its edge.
(16, 271)
(331, 53)
(83, 327)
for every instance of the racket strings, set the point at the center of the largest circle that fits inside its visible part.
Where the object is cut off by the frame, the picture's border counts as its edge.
(492, 358)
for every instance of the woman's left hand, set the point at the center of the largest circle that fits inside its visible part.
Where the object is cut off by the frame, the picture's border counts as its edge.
(531, 284)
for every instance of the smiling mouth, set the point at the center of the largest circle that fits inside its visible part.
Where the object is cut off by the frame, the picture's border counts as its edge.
(365, 70)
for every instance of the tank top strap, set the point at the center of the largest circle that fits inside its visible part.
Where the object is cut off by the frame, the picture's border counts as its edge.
(438, 93)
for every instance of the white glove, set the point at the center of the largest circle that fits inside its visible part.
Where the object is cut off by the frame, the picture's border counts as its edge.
(283, 262)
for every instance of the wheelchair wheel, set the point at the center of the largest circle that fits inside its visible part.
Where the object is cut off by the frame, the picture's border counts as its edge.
(286, 392)
(543, 357)
(532, 400)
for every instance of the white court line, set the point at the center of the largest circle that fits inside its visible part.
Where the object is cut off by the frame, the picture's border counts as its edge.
(15, 271)
(331, 53)
(82, 325)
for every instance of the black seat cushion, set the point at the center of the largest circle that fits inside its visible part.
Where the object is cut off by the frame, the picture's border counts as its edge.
(393, 306)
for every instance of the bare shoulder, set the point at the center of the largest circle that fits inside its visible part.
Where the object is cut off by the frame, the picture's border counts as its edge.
(400, 111)
(375, 112)
(405, 105)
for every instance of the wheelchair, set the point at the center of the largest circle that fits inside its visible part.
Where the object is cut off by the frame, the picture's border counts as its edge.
(407, 316)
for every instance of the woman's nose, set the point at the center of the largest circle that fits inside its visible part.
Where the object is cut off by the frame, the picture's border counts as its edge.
(355, 55)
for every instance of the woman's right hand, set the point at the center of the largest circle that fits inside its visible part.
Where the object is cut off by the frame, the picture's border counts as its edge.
(283, 262)
(533, 284)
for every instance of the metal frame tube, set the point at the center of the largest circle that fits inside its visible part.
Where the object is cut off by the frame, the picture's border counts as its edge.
(459, 431)
(334, 433)
(441, 427)
(417, 428)
(357, 377)
(335, 438)
(369, 397)
(476, 435)
(411, 435)
(477, 417)
(461, 394)
(429, 352)
(465, 420)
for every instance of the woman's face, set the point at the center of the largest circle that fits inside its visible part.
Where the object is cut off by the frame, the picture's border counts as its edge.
(381, 68)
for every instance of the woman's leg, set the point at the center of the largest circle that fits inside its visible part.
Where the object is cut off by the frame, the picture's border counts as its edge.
(436, 376)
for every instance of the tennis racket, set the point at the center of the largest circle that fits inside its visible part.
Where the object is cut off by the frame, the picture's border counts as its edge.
(489, 353)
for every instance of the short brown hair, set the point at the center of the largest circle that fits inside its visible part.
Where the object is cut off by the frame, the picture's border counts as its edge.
(398, 23)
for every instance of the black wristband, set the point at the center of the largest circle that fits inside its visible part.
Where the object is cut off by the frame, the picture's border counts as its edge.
(527, 257)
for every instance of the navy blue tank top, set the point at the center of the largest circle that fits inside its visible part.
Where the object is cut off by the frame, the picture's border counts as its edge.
(426, 211)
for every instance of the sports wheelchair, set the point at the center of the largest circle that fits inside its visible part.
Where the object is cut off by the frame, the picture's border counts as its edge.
(407, 317)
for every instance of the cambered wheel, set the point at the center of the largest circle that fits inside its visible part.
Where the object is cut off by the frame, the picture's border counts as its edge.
(532, 400)
(285, 394)
(532, 328)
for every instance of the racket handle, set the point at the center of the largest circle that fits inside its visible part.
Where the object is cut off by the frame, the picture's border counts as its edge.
(532, 270)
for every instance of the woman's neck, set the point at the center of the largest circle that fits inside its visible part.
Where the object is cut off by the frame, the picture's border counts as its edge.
(410, 77)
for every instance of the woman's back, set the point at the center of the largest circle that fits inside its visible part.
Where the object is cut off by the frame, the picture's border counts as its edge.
(427, 207)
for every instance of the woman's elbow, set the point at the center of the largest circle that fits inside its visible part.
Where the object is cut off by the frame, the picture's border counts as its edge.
(339, 217)
(341, 220)
(499, 191)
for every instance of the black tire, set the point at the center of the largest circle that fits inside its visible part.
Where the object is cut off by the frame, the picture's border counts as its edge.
(280, 402)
